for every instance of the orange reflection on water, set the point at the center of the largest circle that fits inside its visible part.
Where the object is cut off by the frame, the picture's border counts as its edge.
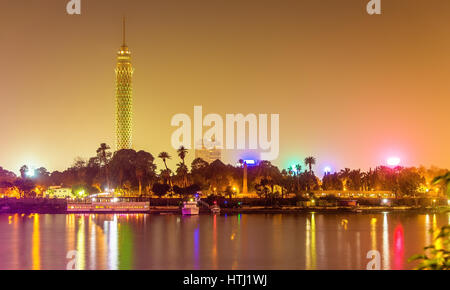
(373, 232)
(16, 239)
(36, 241)
(92, 246)
(437, 242)
(386, 251)
(70, 232)
(313, 240)
(81, 239)
(311, 243)
(214, 248)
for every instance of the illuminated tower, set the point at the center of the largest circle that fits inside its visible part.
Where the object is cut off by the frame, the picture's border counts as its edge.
(124, 97)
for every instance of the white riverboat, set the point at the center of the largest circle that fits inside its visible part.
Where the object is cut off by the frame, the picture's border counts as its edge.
(111, 205)
(190, 208)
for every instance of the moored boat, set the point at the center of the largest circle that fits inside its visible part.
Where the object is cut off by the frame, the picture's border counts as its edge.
(112, 205)
(190, 208)
(215, 209)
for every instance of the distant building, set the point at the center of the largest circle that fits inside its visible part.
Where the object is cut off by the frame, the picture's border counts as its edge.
(58, 192)
(208, 151)
(249, 162)
(10, 192)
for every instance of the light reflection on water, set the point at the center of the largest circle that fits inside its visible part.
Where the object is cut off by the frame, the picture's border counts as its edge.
(36, 256)
(386, 254)
(138, 241)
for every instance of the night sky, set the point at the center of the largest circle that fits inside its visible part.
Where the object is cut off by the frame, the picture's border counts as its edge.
(351, 89)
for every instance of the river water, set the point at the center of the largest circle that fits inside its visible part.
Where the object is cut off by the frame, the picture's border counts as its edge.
(244, 241)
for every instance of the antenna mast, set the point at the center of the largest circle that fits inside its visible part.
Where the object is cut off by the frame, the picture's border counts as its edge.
(123, 31)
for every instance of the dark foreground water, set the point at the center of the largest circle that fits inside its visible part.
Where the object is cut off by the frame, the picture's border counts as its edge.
(139, 241)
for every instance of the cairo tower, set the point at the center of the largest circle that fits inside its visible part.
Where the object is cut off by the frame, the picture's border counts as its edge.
(124, 97)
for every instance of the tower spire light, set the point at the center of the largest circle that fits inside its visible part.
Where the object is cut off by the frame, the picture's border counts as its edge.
(124, 32)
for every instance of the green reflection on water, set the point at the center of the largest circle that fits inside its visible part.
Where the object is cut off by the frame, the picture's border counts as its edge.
(126, 240)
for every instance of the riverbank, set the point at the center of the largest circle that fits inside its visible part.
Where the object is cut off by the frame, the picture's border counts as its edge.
(300, 210)
(55, 206)
(31, 205)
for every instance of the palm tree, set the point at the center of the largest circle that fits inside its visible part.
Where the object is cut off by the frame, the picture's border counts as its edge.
(365, 179)
(165, 175)
(102, 153)
(344, 174)
(103, 156)
(144, 168)
(164, 156)
(182, 151)
(182, 171)
(310, 161)
(298, 168)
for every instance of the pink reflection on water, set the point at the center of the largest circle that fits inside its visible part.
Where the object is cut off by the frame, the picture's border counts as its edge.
(399, 247)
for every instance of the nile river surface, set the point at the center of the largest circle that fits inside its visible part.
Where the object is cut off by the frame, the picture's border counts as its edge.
(139, 241)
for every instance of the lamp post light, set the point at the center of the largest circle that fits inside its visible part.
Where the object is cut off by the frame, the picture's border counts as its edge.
(393, 161)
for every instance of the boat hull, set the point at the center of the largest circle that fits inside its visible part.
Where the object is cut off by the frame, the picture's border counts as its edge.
(189, 211)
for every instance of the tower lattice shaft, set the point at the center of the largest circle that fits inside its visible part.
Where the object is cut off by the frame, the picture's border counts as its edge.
(124, 98)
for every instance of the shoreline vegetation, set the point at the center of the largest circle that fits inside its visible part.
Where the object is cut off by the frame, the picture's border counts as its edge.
(260, 187)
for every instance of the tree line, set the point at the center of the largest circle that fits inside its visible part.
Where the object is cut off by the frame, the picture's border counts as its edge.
(134, 173)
